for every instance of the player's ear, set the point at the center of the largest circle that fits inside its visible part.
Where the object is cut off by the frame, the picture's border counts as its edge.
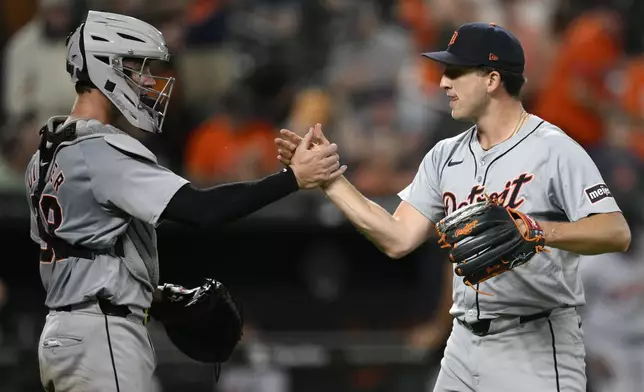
(493, 81)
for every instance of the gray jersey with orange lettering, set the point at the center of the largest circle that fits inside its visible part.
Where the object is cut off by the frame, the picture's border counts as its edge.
(103, 187)
(540, 171)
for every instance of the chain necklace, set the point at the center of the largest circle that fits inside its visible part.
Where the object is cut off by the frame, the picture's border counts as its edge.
(524, 115)
(522, 118)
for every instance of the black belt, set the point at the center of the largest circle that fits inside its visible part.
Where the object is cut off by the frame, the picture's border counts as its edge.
(482, 327)
(107, 308)
(67, 252)
(64, 250)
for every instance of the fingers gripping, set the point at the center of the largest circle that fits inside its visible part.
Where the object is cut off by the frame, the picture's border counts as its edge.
(289, 144)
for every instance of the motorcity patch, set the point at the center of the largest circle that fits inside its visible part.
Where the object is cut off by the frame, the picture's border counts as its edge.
(597, 192)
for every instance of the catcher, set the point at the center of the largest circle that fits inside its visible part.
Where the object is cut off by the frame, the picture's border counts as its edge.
(499, 195)
(97, 194)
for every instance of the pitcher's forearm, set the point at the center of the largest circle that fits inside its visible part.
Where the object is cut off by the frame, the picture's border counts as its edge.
(373, 221)
(597, 234)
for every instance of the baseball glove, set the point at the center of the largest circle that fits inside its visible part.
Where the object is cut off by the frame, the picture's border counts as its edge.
(205, 323)
(485, 240)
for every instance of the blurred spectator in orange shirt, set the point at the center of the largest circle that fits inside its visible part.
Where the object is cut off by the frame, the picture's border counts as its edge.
(574, 95)
(237, 143)
(431, 24)
(228, 148)
(627, 128)
(415, 15)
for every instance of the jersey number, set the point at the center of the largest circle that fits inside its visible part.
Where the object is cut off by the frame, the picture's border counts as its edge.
(53, 218)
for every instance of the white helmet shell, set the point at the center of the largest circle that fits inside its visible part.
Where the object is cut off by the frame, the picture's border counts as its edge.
(96, 52)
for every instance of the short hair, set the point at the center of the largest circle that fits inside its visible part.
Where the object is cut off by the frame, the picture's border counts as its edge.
(83, 87)
(512, 82)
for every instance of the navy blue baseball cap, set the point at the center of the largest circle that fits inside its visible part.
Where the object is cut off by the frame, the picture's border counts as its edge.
(482, 44)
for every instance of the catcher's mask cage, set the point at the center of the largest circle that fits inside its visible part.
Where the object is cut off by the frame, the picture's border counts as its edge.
(99, 54)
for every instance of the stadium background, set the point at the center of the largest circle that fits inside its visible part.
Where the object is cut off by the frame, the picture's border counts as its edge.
(325, 310)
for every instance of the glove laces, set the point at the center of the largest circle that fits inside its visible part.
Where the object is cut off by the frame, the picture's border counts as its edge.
(470, 285)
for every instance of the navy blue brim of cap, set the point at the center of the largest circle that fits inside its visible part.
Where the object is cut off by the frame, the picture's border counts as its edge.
(449, 58)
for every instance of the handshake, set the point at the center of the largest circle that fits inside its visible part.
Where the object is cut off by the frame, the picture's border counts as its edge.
(314, 161)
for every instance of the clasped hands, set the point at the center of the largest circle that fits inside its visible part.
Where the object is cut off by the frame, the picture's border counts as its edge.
(314, 161)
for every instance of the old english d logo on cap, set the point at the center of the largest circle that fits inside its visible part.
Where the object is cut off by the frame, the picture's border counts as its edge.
(453, 39)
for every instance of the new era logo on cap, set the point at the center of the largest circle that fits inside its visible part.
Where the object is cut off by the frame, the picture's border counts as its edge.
(482, 44)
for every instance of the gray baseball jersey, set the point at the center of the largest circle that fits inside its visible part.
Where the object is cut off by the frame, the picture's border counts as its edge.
(541, 172)
(103, 187)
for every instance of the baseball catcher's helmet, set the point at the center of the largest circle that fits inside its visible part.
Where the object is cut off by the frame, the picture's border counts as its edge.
(95, 55)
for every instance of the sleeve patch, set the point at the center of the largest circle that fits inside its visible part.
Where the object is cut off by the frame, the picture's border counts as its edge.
(597, 192)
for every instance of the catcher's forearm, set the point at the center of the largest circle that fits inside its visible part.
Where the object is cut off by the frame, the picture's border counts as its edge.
(227, 202)
(597, 234)
(373, 221)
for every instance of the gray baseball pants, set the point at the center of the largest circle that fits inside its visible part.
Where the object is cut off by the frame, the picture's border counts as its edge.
(85, 350)
(542, 355)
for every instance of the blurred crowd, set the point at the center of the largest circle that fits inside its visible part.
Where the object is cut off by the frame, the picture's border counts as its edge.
(247, 68)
